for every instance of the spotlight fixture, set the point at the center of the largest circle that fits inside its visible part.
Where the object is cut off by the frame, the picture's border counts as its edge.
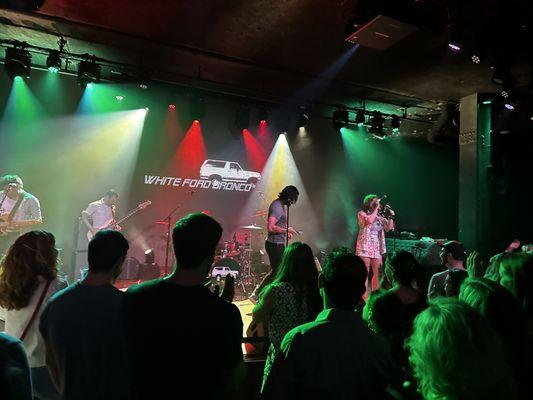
(476, 59)
(172, 106)
(360, 117)
(302, 120)
(149, 257)
(262, 114)
(53, 61)
(196, 108)
(143, 86)
(395, 123)
(88, 71)
(242, 118)
(376, 125)
(119, 97)
(17, 61)
(455, 44)
(340, 118)
(509, 105)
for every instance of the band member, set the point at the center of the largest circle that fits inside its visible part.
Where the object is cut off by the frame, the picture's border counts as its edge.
(18, 209)
(370, 244)
(101, 212)
(277, 233)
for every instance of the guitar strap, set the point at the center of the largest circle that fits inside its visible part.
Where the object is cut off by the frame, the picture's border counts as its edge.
(15, 208)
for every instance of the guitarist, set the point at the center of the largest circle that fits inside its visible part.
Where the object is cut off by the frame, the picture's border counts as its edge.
(101, 212)
(18, 209)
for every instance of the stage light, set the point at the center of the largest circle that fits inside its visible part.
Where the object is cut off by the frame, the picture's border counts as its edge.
(455, 43)
(88, 72)
(360, 117)
(302, 120)
(53, 61)
(172, 106)
(17, 61)
(119, 97)
(146, 109)
(509, 105)
(340, 118)
(143, 86)
(376, 125)
(149, 256)
(242, 118)
(262, 114)
(395, 123)
(456, 47)
(476, 59)
(197, 109)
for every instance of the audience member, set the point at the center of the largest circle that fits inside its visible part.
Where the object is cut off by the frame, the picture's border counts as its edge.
(453, 255)
(504, 314)
(403, 271)
(516, 275)
(453, 282)
(15, 375)
(28, 278)
(292, 298)
(82, 330)
(455, 354)
(337, 356)
(182, 338)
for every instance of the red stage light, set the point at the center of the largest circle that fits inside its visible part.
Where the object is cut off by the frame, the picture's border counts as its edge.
(263, 122)
(172, 106)
(195, 121)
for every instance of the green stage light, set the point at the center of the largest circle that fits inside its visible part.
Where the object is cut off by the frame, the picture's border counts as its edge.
(18, 61)
(88, 72)
(53, 61)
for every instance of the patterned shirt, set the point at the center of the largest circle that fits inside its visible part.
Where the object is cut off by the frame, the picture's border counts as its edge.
(371, 237)
(29, 209)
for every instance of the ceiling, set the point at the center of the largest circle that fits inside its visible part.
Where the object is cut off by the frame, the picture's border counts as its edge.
(278, 47)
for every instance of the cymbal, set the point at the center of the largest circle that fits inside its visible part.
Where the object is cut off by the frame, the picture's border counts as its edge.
(252, 227)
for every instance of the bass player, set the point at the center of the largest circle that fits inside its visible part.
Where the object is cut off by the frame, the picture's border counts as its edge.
(100, 214)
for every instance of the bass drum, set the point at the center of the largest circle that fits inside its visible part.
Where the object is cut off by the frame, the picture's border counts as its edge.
(230, 262)
(130, 269)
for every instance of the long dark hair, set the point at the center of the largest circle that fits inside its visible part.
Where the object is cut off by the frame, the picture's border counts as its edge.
(299, 269)
(33, 254)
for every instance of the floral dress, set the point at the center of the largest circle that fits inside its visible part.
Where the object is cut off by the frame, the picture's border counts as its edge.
(286, 314)
(371, 238)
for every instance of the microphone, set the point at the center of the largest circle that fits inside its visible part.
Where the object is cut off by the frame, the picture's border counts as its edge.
(382, 198)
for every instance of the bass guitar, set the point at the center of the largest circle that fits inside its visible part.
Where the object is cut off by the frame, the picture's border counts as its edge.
(112, 224)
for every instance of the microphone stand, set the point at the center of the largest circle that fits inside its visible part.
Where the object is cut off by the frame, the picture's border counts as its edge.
(168, 219)
(287, 227)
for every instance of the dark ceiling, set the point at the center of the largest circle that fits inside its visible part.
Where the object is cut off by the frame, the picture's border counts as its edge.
(293, 40)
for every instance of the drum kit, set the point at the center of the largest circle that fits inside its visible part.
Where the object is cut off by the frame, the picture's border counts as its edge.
(243, 254)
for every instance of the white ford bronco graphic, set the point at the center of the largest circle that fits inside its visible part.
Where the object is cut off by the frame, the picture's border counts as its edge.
(219, 170)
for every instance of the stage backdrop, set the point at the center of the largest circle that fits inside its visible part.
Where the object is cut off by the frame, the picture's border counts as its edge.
(71, 145)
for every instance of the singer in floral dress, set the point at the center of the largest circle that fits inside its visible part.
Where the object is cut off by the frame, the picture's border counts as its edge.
(370, 245)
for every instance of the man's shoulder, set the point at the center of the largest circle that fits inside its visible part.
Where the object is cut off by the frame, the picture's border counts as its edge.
(440, 275)
(144, 288)
(30, 197)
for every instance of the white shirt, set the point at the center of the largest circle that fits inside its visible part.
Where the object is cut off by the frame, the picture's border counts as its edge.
(100, 213)
(7, 205)
(17, 320)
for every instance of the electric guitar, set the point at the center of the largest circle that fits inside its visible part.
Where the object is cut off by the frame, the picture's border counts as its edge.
(7, 227)
(112, 224)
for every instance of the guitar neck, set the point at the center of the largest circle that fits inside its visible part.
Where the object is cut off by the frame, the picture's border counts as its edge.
(128, 215)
